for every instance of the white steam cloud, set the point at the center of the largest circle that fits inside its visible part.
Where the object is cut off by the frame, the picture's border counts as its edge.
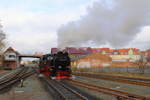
(115, 23)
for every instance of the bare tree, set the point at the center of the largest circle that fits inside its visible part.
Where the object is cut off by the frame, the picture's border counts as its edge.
(2, 38)
(142, 64)
(147, 58)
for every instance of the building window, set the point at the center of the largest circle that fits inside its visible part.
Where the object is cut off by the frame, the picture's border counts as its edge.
(116, 53)
(12, 56)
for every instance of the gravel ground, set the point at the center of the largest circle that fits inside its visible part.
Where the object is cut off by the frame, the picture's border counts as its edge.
(32, 90)
(2, 72)
(84, 92)
(98, 96)
(141, 90)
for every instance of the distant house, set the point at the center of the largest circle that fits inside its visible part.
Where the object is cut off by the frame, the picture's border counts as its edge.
(147, 52)
(104, 51)
(123, 51)
(146, 55)
(133, 51)
(126, 55)
(115, 52)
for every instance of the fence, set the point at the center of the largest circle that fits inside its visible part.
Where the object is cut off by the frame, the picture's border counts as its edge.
(143, 70)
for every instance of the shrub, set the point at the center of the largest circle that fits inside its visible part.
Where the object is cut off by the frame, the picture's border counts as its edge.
(7, 68)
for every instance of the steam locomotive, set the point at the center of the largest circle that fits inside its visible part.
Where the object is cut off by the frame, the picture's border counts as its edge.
(56, 66)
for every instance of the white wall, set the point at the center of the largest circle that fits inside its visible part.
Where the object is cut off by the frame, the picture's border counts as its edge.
(10, 56)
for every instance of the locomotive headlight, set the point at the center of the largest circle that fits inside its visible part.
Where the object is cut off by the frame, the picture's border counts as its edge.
(72, 77)
(59, 67)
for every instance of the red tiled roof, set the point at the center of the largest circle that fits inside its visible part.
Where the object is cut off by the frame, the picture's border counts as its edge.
(54, 50)
(105, 49)
(112, 50)
(11, 49)
(82, 50)
(96, 50)
(123, 50)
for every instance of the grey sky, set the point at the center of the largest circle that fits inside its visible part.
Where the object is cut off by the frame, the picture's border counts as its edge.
(32, 25)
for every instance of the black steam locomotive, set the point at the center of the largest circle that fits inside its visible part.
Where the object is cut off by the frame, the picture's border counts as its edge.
(56, 66)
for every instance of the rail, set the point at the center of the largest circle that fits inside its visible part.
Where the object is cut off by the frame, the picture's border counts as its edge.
(65, 92)
(11, 79)
(118, 94)
(122, 79)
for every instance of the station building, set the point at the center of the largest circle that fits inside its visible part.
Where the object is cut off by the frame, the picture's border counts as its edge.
(9, 58)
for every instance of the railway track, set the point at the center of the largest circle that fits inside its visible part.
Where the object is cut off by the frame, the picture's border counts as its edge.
(11, 75)
(129, 80)
(120, 95)
(14, 77)
(65, 92)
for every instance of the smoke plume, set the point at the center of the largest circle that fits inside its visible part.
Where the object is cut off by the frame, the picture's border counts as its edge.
(115, 23)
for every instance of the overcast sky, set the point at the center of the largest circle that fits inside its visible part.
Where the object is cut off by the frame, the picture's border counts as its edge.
(31, 25)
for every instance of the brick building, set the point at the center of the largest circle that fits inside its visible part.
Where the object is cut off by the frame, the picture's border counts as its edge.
(93, 60)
